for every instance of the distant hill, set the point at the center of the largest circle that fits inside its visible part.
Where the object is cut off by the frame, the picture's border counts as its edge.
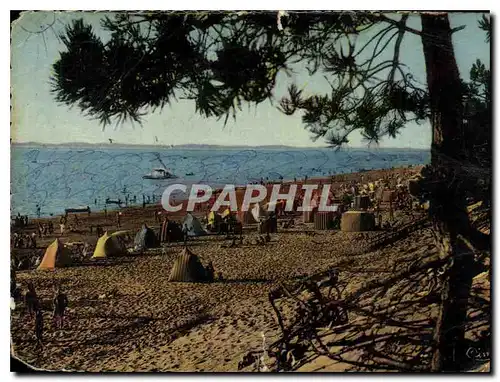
(158, 146)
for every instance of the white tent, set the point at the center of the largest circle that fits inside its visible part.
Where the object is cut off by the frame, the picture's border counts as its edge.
(258, 212)
(194, 226)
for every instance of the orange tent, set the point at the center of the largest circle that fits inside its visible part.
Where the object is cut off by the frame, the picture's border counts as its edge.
(56, 255)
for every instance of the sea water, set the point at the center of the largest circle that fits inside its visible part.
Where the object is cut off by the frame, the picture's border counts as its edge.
(56, 178)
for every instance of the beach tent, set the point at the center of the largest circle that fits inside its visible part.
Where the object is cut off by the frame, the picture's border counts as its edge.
(164, 230)
(275, 206)
(110, 245)
(145, 238)
(270, 206)
(171, 231)
(246, 217)
(258, 212)
(193, 225)
(226, 213)
(214, 218)
(187, 268)
(56, 255)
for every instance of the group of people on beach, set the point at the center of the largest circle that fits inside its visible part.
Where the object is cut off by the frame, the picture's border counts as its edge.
(19, 240)
(33, 307)
(45, 229)
(20, 220)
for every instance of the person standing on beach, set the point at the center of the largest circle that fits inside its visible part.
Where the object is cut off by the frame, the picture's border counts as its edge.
(20, 242)
(13, 282)
(60, 303)
(33, 240)
(118, 219)
(38, 261)
(39, 328)
(29, 241)
(185, 233)
(31, 299)
(62, 224)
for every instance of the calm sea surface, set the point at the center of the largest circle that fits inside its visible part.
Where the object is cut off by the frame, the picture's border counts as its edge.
(57, 178)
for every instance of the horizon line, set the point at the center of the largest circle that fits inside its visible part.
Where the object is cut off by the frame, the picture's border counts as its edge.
(197, 145)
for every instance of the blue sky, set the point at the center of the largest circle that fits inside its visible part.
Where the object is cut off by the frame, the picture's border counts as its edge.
(37, 117)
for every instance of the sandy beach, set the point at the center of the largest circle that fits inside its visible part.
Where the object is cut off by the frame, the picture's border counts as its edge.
(124, 315)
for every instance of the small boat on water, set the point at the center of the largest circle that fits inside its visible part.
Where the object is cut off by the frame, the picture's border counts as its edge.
(159, 173)
(111, 201)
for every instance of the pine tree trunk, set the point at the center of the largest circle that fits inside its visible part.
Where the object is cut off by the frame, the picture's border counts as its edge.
(447, 201)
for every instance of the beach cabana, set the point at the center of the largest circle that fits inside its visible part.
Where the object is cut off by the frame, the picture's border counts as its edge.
(187, 268)
(145, 238)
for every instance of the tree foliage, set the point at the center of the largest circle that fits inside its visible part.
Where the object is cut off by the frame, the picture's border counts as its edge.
(220, 60)
(477, 114)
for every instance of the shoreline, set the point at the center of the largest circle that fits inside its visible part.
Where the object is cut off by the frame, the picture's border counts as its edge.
(367, 175)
